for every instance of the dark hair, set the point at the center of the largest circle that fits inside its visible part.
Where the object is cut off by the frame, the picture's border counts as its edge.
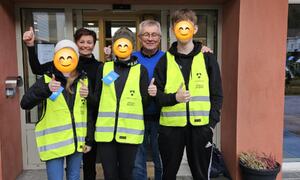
(84, 32)
(183, 14)
(124, 32)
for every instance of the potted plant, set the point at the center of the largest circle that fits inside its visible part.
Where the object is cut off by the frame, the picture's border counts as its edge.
(258, 166)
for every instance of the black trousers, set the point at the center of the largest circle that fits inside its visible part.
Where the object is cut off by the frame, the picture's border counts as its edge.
(198, 143)
(89, 164)
(117, 160)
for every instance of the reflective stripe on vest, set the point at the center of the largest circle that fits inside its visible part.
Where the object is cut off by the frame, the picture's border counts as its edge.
(130, 123)
(199, 105)
(54, 132)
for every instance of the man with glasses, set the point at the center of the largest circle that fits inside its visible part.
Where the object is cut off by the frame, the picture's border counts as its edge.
(149, 35)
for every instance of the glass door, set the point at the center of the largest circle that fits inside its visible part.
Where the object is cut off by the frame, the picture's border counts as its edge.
(105, 24)
(111, 24)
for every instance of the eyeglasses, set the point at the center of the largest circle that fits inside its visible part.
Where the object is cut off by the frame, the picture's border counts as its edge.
(153, 35)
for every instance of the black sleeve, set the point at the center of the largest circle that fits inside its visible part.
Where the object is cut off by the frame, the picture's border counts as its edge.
(144, 87)
(93, 106)
(160, 72)
(38, 92)
(89, 139)
(215, 88)
(94, 96)
(35, 65)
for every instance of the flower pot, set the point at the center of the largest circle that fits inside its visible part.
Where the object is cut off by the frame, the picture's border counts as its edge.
(255, 174)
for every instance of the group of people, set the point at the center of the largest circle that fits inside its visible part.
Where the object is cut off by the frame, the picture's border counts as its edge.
(171, 100)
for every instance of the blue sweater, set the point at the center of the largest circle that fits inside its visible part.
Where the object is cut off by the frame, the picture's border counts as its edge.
(149, 63)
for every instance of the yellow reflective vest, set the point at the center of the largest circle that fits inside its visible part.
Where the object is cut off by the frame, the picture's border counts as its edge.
(199, 105)
(121, 121)
(54, 132)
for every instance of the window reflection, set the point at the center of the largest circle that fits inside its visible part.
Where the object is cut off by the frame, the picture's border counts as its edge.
(44, 22)
(292, 70)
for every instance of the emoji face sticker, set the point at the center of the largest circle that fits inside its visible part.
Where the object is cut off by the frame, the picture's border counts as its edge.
(122, 48)
(65, 60)
(184, 30)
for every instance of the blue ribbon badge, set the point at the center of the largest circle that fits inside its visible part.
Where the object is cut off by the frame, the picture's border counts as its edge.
(110, 77)
(54, 95)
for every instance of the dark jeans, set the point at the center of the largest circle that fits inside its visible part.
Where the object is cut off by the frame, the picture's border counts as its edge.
(150, 136)
(89, 164)
(198, 143)
(117, 160)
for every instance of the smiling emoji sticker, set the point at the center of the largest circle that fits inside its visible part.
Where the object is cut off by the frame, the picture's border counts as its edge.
(184, 30)
(65, 60)
(66, 56)
(122, 48)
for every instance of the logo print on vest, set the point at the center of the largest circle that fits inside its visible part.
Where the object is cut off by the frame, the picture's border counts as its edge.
(132, 92)
(83, 101)
(197, 120)
(122, 137)
(198, 75)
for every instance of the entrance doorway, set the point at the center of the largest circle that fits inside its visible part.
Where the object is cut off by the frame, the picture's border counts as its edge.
(105, 25)
(52, 25)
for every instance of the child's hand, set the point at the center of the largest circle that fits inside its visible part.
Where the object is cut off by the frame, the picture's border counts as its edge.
(53, 84)
(86, 148)
(28, 37)
(107, 52)
(206, 49)
(83, 91)
(152, 90)
(182, 96)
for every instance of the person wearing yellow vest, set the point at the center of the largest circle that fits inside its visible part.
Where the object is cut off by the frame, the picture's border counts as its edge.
(190, 93)
(62, 130)
(85, 40)
(122, 92)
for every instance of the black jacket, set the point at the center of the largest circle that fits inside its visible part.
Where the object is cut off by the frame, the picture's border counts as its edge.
(185, 63)
(122, 68)
(39, 92)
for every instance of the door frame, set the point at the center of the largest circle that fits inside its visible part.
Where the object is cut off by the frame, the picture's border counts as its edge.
(101, 17)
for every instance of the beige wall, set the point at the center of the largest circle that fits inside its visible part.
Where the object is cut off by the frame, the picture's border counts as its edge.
(254, 43)
(10, 128)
